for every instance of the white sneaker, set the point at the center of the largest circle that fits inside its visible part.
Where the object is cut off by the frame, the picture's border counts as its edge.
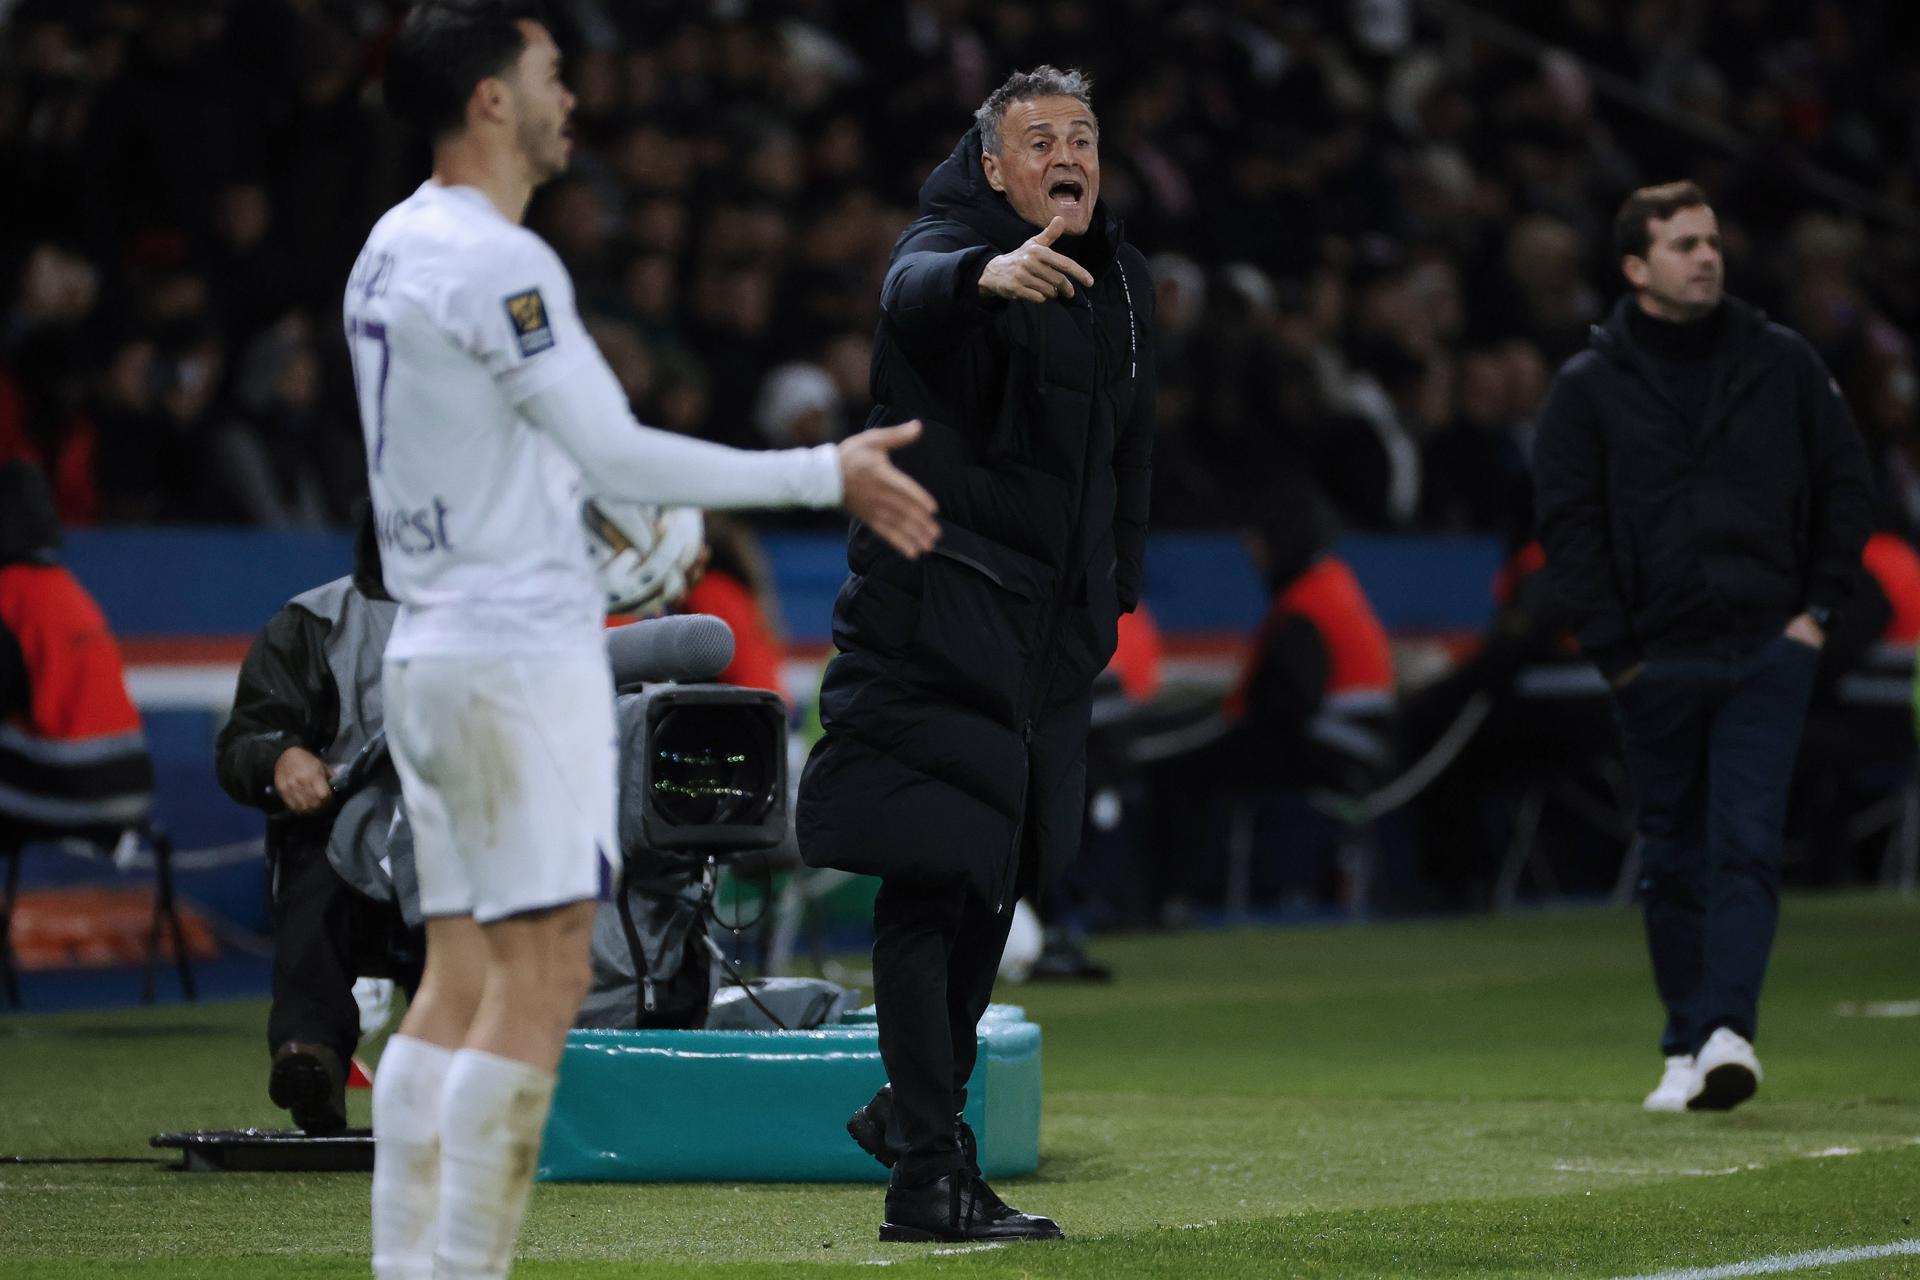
(375, 997)
(1729, 1072)
(1675, 1085)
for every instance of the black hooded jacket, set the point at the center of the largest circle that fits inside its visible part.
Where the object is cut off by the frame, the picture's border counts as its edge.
(1666, 535)
(955, 710)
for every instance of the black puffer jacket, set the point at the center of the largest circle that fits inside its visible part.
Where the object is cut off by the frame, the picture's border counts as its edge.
(956, 707)
(1670, 536)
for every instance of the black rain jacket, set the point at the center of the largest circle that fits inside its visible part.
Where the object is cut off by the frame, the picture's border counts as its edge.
(956, 707)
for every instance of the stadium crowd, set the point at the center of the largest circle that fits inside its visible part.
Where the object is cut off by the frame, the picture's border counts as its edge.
(1375, 231)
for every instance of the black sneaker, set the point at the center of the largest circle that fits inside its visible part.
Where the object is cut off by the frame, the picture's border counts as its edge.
(959, 1206)
(309, 1081)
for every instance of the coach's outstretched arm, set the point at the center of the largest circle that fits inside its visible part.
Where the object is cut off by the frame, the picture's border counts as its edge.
(940, 281)
(587, 413)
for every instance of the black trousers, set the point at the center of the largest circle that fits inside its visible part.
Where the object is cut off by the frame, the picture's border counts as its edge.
(325, 935)
(936, 951)
(1710, 743)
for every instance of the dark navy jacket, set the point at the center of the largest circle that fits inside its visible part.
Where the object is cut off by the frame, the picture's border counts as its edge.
(1670, 536)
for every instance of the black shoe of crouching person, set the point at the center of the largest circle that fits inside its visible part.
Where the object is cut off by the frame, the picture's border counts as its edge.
(310, 1081)
(957, 1207)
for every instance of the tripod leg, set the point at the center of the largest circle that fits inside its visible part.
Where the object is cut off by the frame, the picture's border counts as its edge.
(163, 872)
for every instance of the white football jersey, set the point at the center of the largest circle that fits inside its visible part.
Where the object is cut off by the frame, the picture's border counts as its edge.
(455, 315)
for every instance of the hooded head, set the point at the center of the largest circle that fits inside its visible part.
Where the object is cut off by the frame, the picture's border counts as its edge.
(1292, 529)
(29, 527)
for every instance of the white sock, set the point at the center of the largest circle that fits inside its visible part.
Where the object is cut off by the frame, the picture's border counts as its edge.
(406, 1156)
(492, 1114)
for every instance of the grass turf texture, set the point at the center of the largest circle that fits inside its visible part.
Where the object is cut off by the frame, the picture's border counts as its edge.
(1440, 1098)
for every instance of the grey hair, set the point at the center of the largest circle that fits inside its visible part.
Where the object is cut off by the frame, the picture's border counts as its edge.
(1044, 81)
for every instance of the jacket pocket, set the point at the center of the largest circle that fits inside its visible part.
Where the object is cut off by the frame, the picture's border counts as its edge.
(1092, 631)
(873, 613)
(981, 609)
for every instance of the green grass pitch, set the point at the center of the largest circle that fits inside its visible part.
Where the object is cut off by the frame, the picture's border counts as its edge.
(1443, 1098)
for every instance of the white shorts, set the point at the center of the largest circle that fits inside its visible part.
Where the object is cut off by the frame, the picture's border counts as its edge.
(507, 764)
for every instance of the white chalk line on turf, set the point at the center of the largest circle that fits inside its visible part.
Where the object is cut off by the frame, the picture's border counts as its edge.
(1878, 1009)
(1630, 1171)
(967, 1248)
(1784, 1262)
(937, 1253)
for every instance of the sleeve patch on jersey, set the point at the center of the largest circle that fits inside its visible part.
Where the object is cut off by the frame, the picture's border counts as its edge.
(531, 327)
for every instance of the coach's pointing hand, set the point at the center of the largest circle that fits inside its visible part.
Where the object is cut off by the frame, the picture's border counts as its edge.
(882, 496)
(1035, 271)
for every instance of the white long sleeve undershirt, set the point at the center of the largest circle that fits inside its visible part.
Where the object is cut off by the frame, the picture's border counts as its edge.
(587, 413)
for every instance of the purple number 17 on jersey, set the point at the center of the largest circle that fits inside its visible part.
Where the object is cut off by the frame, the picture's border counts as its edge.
(376, 412)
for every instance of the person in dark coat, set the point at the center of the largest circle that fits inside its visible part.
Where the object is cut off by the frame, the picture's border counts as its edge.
(1703, 500)
(307, 702)
(1017, 324)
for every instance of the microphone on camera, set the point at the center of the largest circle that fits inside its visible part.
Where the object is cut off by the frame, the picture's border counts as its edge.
(682, 649)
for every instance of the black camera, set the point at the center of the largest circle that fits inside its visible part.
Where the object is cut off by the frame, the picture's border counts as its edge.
(703, 768)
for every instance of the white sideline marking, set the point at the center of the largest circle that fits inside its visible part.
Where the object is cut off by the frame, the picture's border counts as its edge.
(1783, 1262)
(1628, 1171)
(968, 1248)
(935, 1253)
(1879, 1009)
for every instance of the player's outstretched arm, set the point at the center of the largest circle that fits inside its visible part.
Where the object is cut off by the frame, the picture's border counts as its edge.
(587, 413)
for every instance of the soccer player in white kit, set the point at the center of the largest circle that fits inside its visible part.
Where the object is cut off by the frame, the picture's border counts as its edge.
(488, 415)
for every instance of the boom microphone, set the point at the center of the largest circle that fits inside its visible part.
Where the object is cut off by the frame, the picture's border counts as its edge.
(682, 649)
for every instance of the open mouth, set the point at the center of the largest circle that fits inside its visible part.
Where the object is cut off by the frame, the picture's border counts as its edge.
(1067, 193)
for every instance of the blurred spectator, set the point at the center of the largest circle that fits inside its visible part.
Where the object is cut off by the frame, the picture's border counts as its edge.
(73, 757)
(1474, 467)
(738, 586)
(1315, 696)
(799, 405)
(276, 463)
(253, 282)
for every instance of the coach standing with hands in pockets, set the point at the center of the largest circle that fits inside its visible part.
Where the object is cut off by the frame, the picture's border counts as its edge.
(1703, 499)
(1017, 324)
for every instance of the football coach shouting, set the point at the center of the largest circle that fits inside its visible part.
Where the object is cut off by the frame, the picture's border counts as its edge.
(1017, 324)
(1703, 500)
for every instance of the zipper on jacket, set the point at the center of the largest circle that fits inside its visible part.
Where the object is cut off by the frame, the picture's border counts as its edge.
(1041, 676)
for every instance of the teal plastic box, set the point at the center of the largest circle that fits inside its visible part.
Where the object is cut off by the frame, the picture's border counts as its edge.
(765, 1106)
